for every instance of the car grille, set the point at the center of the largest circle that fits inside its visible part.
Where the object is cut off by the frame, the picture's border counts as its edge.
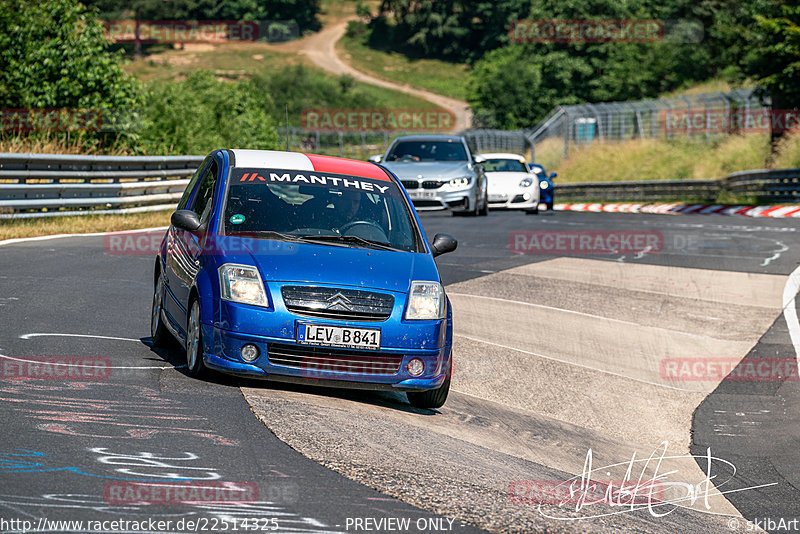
(334, 303)
(410, 184)
(430, 184)
(319, 359)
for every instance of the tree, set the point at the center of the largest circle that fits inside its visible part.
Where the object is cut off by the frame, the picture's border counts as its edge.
(774, 59)
(53, 55)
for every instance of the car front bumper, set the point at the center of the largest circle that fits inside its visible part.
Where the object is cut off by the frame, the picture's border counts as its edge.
(327, 370)
(462, 200)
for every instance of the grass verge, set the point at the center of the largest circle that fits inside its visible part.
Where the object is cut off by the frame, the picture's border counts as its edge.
(81, 224)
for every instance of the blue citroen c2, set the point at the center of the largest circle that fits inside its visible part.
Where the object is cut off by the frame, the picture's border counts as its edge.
(307, 269)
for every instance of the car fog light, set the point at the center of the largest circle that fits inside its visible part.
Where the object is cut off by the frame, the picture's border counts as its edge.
(415, 367)
(526, 196)
(250, 352)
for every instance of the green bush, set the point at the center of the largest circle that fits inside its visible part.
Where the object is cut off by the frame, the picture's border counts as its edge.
(201, 114)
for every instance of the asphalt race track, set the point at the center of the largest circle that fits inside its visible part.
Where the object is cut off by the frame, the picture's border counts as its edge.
(567, 359)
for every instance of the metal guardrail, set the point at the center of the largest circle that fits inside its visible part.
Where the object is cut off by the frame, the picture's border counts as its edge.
(45, 185)
(56, 184)
(762, 185)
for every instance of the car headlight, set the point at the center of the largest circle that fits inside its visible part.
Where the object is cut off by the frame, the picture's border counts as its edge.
(526, 182)
(543, 184)
(460, 182)
(426, 300)
(242, 283)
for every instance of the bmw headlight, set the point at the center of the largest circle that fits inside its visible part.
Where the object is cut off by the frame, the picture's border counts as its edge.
(543, 184)
(460, 182)
(526, 182)
(426, 300)
(242, 283)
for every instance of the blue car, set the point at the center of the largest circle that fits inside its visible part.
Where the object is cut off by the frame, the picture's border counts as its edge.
(545, 185)
(306, 269)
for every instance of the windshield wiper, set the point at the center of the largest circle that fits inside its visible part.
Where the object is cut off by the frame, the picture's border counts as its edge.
(271, 234)
(352, 239)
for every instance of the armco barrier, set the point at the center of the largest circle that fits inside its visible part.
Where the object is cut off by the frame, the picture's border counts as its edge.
(763, 185)
(76, 184)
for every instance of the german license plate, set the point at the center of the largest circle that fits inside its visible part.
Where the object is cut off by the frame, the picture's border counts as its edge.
(422, 194)
(339, 336)
(498, 198)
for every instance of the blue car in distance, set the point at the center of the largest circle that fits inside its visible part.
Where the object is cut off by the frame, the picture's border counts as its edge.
(546, 192)
(306, 269)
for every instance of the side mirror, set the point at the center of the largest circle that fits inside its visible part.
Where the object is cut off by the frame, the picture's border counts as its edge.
(377, 158)
(186, 220)
(478, 159)
(442, 244)
(553, 175)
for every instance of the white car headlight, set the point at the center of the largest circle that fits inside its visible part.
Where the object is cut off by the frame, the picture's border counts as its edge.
(526, 182)
(426, 300)
(242, 283)
(543, 184)
(460, 182)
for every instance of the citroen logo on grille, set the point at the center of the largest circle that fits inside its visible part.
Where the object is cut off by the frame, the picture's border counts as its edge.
(338, 301)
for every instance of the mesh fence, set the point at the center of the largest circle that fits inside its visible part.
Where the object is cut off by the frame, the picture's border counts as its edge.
(704, 114)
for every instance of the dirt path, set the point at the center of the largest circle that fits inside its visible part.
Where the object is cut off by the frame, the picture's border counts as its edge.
(321, 50)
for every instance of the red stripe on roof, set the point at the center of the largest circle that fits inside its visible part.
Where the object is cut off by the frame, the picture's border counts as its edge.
(347, 166)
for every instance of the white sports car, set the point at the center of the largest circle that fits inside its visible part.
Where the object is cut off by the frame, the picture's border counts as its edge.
(511, 184)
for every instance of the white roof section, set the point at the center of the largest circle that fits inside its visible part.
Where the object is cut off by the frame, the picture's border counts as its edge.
(271, 159)
(503, 155)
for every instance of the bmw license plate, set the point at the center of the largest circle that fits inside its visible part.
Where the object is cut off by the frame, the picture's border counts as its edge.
(421, 194)
(339, 336)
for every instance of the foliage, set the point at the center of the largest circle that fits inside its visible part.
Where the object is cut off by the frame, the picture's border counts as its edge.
(201, 114)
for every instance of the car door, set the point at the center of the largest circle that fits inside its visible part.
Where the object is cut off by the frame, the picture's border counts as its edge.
(183, 259)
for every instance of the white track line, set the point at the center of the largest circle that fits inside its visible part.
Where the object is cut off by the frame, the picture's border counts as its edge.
(55, 334)
(94, 234)
(790, 310)
(551, 358)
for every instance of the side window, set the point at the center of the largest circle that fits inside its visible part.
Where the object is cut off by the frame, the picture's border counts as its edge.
(187, 194)
(205, 193)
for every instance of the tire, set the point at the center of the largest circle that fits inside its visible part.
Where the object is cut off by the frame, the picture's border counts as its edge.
(434, 398)
(485, 209)
(194, 342)
(534, 211)
(158, 332)
(549, 206)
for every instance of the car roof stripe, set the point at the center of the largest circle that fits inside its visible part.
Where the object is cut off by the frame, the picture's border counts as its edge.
(347, 166)
(271, 159)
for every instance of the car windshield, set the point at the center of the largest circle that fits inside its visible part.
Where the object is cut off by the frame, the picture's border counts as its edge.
(321, 208)
(504, 165)
(427, 151)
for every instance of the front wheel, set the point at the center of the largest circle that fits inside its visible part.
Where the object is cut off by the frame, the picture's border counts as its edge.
(532, 211)
(194, 343)
(433, 398)
(549, 206)
(485, 209)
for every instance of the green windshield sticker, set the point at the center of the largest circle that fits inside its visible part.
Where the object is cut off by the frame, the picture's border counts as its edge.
(237, 219)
